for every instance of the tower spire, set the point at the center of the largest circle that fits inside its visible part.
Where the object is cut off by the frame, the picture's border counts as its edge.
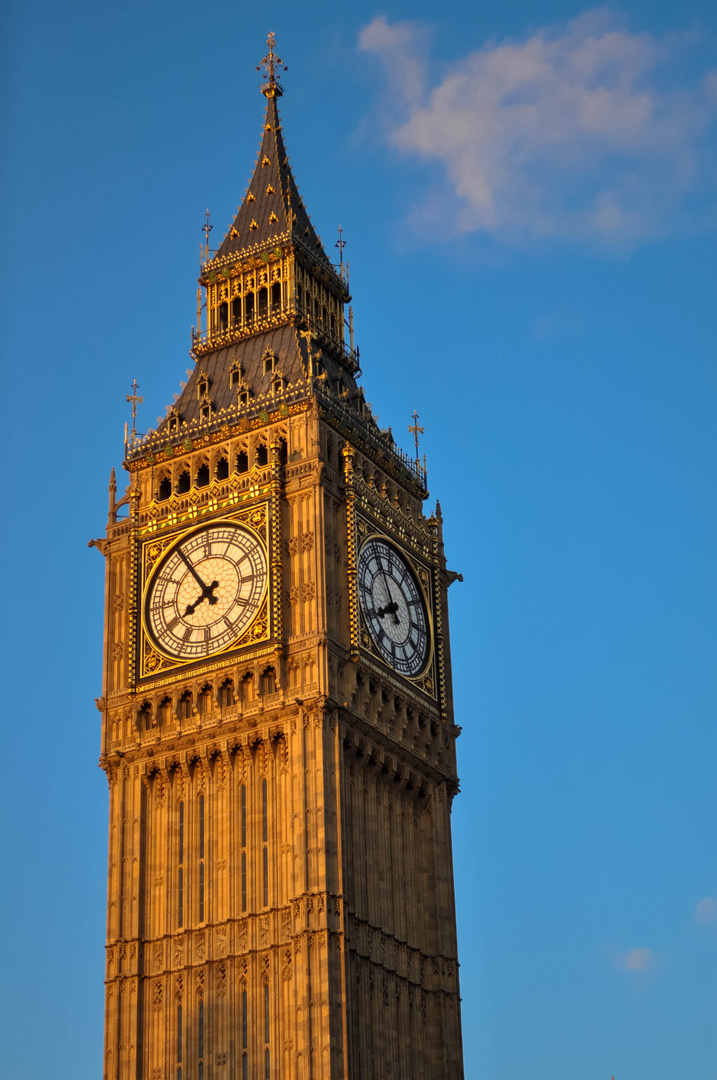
(271, 62)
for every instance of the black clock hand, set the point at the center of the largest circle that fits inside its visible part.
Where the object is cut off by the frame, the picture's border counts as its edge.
(191, 570)
(207, 594)
(207, 590)
(391, 607)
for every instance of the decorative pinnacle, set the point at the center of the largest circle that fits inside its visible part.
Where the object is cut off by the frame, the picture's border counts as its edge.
(207, 228)
(270, 63)
(341, 244)
(135, 402)
(415, 431)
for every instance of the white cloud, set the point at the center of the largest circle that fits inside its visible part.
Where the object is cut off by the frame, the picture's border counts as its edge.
(570, 132)
(706, 911)
(638, 959)
(642, 961)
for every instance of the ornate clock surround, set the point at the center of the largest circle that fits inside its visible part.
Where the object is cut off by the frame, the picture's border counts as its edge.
(427, 679)
(261, 631)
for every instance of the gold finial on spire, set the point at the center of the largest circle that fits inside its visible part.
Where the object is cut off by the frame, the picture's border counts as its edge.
(416, 431)
(206, 229)
(271, 63)
(135, 402)
(341, 244)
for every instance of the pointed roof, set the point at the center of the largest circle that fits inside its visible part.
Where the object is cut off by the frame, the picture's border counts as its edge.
(272, 211)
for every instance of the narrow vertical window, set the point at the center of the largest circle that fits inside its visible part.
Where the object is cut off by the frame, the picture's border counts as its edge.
(266, 1013)
(243, 847)
(244, 1028)
(200, 1041)
(201, 858)
(244, 1069)
(179, 1033)
(267, 1066)
(265, 837)
(180, 874)
(180, 898)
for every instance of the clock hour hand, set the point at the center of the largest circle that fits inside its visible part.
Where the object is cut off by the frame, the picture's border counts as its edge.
(207, 590)
(207, 594)
(389, 609)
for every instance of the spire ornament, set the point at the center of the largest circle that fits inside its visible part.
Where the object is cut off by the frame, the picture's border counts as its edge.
(341, 244)
(271, 63)
(135, 402)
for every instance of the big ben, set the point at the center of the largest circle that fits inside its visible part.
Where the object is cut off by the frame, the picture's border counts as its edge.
(277, 717)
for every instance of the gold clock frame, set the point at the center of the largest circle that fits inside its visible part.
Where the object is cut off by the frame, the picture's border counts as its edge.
(151, 661)
(426, 680)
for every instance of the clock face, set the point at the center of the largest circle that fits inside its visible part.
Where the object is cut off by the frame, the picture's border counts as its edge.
(206, 591)
(393, 607)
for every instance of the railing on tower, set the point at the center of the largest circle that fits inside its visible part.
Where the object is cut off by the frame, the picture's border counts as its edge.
(228, 328)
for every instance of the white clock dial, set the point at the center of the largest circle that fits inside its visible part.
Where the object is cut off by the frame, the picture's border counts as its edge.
(393, 607)
(206, 591)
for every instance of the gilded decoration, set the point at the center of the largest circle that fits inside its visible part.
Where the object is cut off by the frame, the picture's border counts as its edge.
(152, 662)
(426, 679)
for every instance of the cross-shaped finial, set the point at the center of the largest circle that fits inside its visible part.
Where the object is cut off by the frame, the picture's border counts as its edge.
(206, 229)
(135, 402)
(271, 63)
(341, 244)
(415, 431)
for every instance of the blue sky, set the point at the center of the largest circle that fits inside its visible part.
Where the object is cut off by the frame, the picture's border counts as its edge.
(527, 192)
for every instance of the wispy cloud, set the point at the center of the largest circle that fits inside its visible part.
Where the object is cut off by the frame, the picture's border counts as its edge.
(706, 911)
(640, 962)
(580, 131)
(638, 959)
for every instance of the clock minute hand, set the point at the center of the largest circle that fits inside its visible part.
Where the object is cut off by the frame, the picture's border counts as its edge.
(206, 590)
(392, 607)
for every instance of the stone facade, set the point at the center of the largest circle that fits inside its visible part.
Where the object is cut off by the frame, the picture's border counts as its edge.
(280, 884)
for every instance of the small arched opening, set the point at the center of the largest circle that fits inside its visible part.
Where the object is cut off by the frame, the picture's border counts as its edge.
(204, 701)
(226, 694)
(268, 681)
(247, 688)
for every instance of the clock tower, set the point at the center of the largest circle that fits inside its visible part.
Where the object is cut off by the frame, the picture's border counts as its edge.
(277, 718)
